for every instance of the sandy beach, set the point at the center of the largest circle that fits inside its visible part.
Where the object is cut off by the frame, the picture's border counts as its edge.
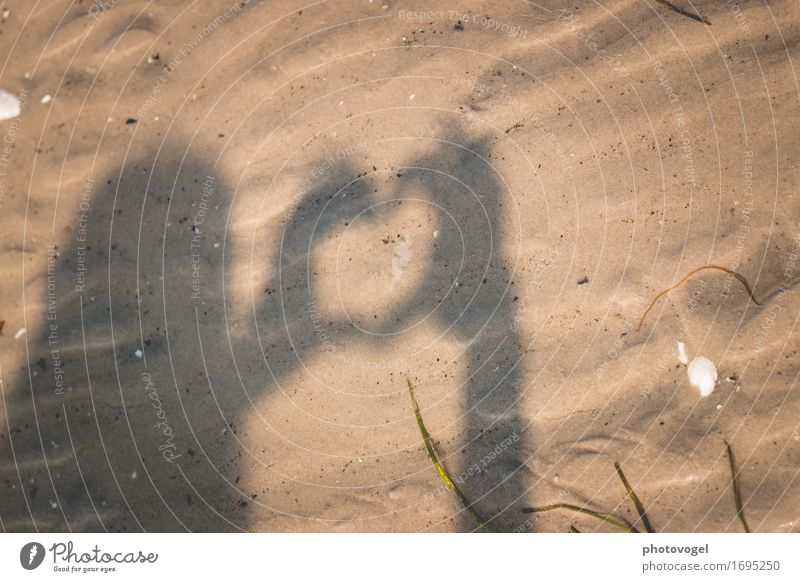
(234, 232)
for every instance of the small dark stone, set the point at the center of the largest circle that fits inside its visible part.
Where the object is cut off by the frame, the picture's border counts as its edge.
(131, 121)
(583, 281)
(459, 27)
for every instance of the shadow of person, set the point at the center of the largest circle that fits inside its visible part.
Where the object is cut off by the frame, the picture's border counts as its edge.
(115, 424)
(100, 417)
(127, 416)
(469, 291)
(463, 293)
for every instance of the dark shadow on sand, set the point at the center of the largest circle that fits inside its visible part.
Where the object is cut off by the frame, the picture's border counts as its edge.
(147, 440)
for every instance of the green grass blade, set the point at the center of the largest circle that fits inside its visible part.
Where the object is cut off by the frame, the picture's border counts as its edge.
(618, 523)
(426, 438)
(737, 494)
(638, 504)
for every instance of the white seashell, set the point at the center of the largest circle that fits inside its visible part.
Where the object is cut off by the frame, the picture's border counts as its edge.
(682, 357)
(9, 105)
(702, 375)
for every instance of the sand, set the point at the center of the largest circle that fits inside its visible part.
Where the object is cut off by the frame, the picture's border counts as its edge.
(232, 231)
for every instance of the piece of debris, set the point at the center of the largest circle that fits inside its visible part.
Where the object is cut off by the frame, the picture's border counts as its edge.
(20, 333)
(131, 121)
(685, 13)
(138, 353)
(583, 281)
(46, 99)
(682, 357)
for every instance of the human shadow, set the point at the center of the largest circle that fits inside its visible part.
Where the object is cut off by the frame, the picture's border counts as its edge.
(139, 378)
(469, 292)
(100, 423)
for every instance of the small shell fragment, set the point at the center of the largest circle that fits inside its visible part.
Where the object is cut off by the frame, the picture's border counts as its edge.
(682, 357)
(702, 375)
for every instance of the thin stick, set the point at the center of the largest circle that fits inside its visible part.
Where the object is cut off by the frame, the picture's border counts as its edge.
(635, 499)
(619, 523)
(741, 279)
(683, 12)
(737, 495)
(573, 529)
(426, 438)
